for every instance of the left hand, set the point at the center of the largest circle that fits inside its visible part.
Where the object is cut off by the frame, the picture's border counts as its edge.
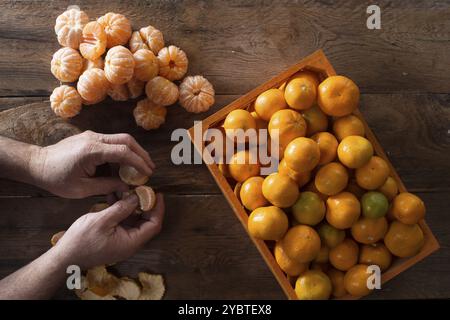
(67, 168)
(103, 237)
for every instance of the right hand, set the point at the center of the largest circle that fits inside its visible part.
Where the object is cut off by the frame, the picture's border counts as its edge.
(101, 238)
(67, 168)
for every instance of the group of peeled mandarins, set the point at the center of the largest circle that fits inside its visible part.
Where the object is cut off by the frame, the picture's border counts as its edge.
(332, 208)
(106, 58)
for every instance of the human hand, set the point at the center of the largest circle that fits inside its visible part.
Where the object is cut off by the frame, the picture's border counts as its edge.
(67, 168)
(111, 235)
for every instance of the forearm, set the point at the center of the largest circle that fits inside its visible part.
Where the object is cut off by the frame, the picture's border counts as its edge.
(38, 280)
(16, 160)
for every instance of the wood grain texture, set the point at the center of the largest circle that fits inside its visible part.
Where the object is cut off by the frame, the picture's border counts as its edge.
(230, 41)
(203, 253)
(412, 128)
(402, 71)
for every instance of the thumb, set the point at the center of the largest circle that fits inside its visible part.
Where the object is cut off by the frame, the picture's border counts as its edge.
(104, 185)
(119, 211)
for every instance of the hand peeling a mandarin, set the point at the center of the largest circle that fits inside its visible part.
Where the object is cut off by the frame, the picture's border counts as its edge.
(110, 232)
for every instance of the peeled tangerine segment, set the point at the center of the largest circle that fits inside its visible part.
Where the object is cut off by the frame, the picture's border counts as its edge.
(147, 197)
(92, 86)
(146, 65)
(153, 38)
(117, 28)
(131, 176)
(162, 91)
(65, 101)
(93, 42)
(173, 63)
(149, 115)
(69, 27)
(66, 64)
(119, 65)
(196, 94)
(135, 88)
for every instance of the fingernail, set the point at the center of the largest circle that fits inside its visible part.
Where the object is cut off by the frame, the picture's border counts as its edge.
(132, 199)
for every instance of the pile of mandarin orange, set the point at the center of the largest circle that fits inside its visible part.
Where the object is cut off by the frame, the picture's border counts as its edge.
(332, 209)
(106, 57)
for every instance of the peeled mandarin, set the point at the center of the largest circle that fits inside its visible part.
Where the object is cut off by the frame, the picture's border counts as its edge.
(119, 65)
(173, 63)
(149, 115)
(145, 65)
(93, 41)
(93, 85)
(69, 27)
(162, 91)
(66, 64)
(117, 28)
(65, 101)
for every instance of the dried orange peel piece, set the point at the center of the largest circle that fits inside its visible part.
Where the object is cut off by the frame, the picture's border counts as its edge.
(93, 41)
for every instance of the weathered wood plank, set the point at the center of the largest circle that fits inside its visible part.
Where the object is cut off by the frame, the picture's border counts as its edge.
(238, 44)
(412, 128)
(202, 248)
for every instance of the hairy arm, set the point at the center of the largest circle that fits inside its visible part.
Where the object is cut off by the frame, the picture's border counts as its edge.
(38, 280)
(95, 239)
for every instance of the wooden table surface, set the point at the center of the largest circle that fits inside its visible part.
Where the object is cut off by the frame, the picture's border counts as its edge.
(403, 71)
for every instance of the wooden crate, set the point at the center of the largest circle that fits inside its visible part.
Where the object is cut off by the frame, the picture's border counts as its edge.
(319, 63)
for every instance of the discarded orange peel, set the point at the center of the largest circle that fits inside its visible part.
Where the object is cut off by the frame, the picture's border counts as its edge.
(99, 284)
